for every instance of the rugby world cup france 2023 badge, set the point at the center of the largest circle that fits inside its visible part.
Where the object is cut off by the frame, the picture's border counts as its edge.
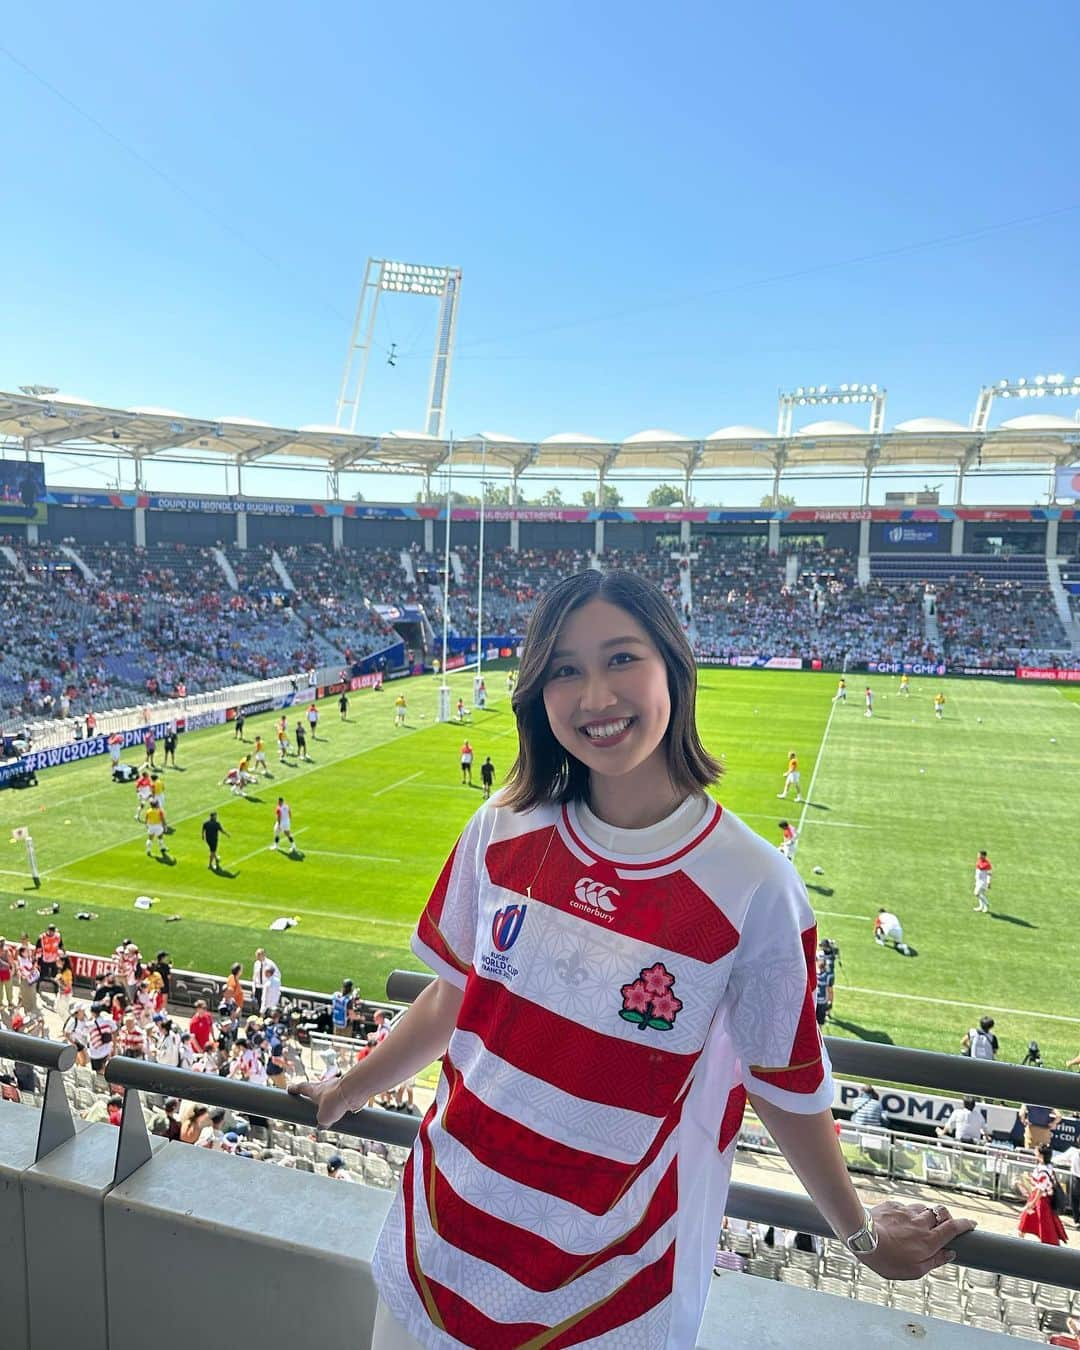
(506, 925)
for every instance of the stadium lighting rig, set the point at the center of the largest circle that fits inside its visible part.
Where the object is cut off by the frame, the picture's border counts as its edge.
(1039, 386)
(382, 277)
(814, 395)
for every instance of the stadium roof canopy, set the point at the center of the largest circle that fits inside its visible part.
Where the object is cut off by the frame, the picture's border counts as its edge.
(62, 422)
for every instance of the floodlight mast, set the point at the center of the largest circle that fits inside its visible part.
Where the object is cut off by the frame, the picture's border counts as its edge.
(1040, 386)
(812, 395)
(406, 279)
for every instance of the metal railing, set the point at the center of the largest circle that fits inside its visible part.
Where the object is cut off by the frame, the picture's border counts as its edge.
(983, 1251)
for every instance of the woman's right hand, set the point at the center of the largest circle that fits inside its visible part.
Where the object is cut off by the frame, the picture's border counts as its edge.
(328, 1096)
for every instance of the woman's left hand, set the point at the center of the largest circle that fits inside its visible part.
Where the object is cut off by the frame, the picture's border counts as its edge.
(913, 1239)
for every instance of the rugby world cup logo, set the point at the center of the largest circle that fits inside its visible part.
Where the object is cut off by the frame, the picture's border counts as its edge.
(506, 926)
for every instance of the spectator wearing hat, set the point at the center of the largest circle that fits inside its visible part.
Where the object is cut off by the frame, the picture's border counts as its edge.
(101, 1032)
(336, 1169)
(1039, 1123)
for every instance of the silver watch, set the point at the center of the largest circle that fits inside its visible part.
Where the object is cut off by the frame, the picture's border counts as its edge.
(865, 1239)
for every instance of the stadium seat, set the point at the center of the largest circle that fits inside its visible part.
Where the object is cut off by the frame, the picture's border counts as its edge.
(767, 1266)
(377, 1172)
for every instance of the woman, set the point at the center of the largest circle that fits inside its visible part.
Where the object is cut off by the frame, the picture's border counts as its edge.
(234, 990)
(193, 1120)
(620, 964)
(1039, 1219)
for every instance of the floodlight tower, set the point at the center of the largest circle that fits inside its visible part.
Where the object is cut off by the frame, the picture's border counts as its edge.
(404, 279)
(1042, 386)
(813, 394)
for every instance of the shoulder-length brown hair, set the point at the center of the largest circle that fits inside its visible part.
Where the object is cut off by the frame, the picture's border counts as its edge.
(544, 771)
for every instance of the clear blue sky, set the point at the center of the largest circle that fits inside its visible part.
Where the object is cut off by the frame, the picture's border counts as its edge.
(657, 208)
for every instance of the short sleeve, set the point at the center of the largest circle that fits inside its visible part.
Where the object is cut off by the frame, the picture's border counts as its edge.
(446, 932)
(771, 998)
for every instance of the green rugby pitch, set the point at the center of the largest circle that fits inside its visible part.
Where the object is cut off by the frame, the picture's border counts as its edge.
(900, 806)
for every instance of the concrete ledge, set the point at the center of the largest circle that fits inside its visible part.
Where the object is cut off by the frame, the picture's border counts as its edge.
(199, 1243)
(745, 1312)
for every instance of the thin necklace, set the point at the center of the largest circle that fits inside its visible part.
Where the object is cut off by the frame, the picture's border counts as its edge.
(551, 836)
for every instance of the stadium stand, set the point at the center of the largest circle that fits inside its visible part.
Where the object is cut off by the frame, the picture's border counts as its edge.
(113, 624)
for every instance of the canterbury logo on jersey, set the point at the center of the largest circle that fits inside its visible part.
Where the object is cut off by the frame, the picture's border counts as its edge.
(595, 896)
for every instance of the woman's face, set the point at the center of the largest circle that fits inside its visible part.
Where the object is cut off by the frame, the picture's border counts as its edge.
(606, 694)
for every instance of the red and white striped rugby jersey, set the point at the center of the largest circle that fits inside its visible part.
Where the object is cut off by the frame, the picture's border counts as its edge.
(568, 1184)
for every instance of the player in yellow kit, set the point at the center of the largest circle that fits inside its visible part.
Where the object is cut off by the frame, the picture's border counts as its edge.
(905, 685)
(939, 706)
(792, 777)
(399, 710)
(260, 763)
(841, 691)
(155, 829)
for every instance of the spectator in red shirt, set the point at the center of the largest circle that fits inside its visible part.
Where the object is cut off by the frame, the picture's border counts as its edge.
(201, 1028)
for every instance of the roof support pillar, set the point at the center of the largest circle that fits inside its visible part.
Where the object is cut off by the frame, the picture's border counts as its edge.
(774, 537)
(515, 524)
(140, 482)
(872, 457)
(241, 529)
(337, 533)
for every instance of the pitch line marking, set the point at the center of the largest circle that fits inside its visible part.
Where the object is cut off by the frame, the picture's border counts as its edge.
(817, 765)
(956, 1003)
(360, 857)
(246, 904)
(263, 848)
(400, 783)
(840, 913)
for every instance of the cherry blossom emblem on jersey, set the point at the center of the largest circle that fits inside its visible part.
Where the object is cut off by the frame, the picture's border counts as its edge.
(649, 1001)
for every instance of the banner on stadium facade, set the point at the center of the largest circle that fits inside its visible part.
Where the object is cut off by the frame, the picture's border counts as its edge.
(89, 748)
(262, 506)
(897, 536)
(12, 771)
(1048, 673)
(906, 668)
(987, 672)
(1067, 482)
(261, 705)
(211, 717)
(918, 1108)
(753, 662)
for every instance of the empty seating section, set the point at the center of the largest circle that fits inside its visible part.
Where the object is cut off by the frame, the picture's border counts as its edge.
(1003, 1304)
